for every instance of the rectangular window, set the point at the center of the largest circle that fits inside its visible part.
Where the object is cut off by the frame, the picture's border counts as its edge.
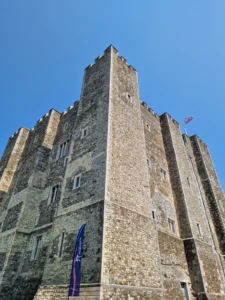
(199, 229)
(37, 247)
(54, 193)
(183, 286)
(163, 173)
(153, 215)
(147, 127)
(62, 150)
(61, 244)
(171, 224)
(148, 163)
(76, 182)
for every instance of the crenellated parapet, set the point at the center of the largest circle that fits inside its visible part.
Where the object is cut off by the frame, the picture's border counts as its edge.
(144, 104)
(106, 52)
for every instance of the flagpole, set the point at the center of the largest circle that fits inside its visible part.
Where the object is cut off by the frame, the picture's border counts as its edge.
(187, 120)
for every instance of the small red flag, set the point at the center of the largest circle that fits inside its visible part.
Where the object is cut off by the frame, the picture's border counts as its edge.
(187, 120)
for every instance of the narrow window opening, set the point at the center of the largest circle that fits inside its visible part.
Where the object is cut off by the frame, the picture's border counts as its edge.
(183, 286)
(54, 193)
(77, 180)
(199, 229)
(66, 160)
(171, 225)
(153, 215)
(148, 127)
(37, 247)
(148, 163)
(163, 173)
(65, 149)
(188, 182)
(129, 97)
(61, 244)
(84, 133)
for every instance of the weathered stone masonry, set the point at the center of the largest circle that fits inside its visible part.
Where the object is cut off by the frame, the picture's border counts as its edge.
(150, 198)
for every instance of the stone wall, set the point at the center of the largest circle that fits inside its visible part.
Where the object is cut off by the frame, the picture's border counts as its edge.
(150, 199)
(130, 250)
(212, 190)
(11, 158)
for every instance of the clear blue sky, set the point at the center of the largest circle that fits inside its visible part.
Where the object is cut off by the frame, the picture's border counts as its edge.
(178, 48)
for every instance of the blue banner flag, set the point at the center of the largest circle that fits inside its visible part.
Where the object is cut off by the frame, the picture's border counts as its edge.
(75, 276)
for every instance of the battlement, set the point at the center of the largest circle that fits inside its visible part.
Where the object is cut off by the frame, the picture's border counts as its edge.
(108, 50)
(47, 115)
(170, 117)
(15, 134)
(70, 108)
(195, 136)
(144, 104)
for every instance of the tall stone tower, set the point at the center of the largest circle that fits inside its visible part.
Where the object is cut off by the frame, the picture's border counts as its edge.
(150, 197)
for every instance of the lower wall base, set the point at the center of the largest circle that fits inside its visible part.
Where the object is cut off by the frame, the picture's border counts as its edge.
(171, 291)
(215, 297)
(92, 292)
(130, 293)
(87, 292)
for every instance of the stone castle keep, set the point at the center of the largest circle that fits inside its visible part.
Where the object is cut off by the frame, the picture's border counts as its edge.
(150, 197)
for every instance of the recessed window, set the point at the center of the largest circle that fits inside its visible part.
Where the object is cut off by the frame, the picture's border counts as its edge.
(199, 229)
(188, 181)
(147, 127)
(61, 244)
(129, 97)
(76, 182)
(183, 286)
(153, 215)
(66, 160)
(163, 173)
(36, 221)
(62, 150)
(54, 193)
(148, 163)
(84, 132)
(37, 247)
(171, 224)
